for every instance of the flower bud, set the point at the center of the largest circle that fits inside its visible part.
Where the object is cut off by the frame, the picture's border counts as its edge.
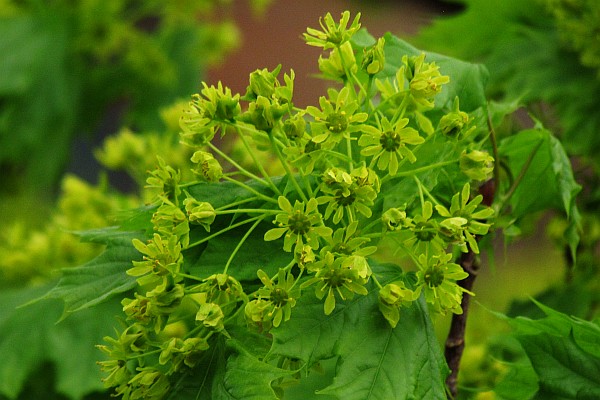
(294, 127)
(477, 165)
(394, 218)
(201, 213)
(207, 166)
(263, 83)
(374, 58)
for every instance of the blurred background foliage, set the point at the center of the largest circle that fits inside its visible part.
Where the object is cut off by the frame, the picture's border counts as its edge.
(69, 65)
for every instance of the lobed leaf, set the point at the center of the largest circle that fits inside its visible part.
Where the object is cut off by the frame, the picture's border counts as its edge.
(563, 352)
(101, 278)
(369, 351)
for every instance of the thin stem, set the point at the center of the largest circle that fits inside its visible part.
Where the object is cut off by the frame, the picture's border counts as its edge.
(424, 189)
(494, 151)
(224, 230)
(241, 169)
(519, 178)
(236, 203)
(248, 211)
(250, 189)
(241, 242)
(257, 163)
(425, 168)
(287, 168)
(349, 152)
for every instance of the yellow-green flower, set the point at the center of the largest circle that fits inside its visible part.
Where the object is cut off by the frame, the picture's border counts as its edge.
(437, 279)
(332, 34)
(274, 301)
(299, 223)
(461, 223)
(342, 275)
(347, 194)
(389, 145)
(337, 117)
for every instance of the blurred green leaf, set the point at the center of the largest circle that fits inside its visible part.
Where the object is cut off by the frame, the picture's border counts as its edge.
(101, 278)
(548, 181)
(564, 354)
(30, 338)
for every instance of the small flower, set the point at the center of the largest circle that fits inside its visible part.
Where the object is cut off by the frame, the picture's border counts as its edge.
(337, 117)
(424, 79)
(263, 113)
(221, 289)
(169, 220)
(207, 167)
(298, 223)
(205, 113)
(345, 242)
(165, 179)
(477, 165)
(149, 383)
(306, 155)
(389, 144)
(275, 300)
(200, 212)
(262, 83)
(461, 221)
(392, 297)
(342, 275)
(425, 230)
(332, 34)
(211, 316)
(348, 193)
(437, 279)
(394, 219)
(162, 258)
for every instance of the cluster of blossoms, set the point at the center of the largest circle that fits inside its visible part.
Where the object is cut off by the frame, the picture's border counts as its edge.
(342, 164)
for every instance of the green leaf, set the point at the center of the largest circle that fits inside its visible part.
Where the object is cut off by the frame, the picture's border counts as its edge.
(101, 278)
(231, 369)
(30, 338)
(224, 193)
(246, 377)
(548, 181)
(369, 351)
(467, 81)
(563, 352)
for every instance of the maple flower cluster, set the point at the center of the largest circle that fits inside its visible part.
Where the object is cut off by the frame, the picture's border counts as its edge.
(353, 173)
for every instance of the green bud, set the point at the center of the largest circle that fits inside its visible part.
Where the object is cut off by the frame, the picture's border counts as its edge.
(395, 218)
(455, 122)
(294, 127)
(263, 113)
(263, 83)
(393, 296)
(211, 316)
(207, 166)
(477, 165)
(374, 58)
(200, 212)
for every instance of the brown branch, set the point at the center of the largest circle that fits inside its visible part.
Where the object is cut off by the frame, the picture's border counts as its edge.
(455, 343)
